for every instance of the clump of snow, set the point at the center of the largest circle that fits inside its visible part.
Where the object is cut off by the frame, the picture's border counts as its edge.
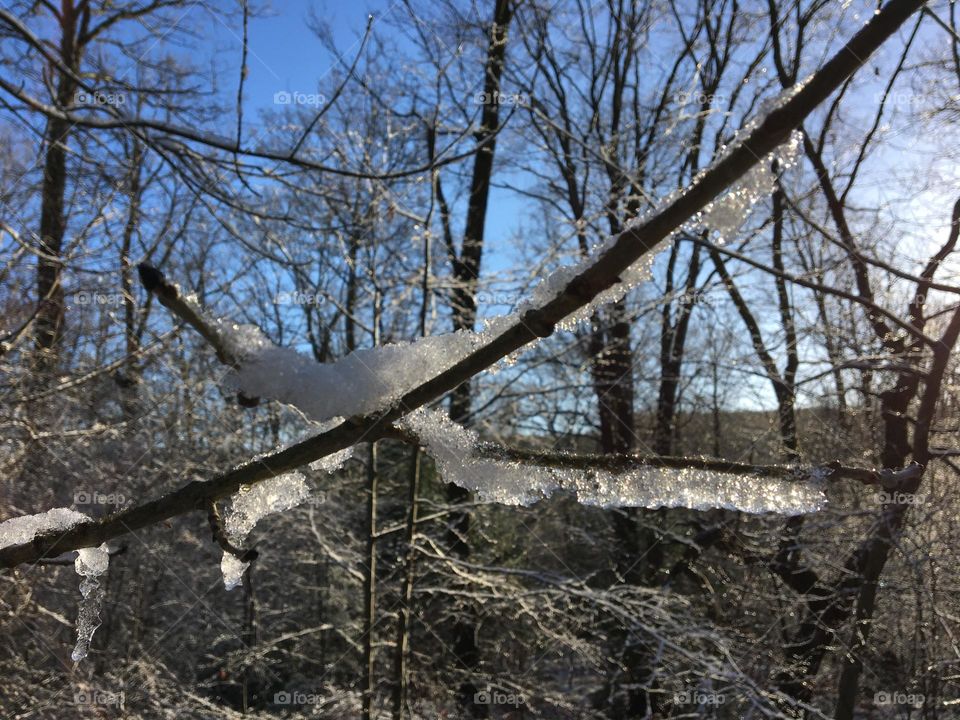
(90, 564)
(513, 483)
(233, 569)
(252, 504)
(21, 530)
(362, 382)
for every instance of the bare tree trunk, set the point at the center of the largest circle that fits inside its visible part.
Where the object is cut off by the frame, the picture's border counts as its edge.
(251, 629)
(406, 594)
(786, 398)
(50, 317)
(128, 379)
(368, 685)
(49, 320)
(370, 586)
(673, 336)
(715, 407)
(48, 324)
(614, 387)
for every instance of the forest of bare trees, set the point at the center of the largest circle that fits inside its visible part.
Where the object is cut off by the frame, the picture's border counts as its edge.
(535, 359)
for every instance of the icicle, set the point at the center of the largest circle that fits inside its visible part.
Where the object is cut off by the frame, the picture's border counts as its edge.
(90, 564)
(514, 483)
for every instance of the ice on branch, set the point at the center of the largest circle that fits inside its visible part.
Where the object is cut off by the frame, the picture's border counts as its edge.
(251, 505)
(513, 483)
(91, 564)
(726, 215)
(21, 530)
(332, 462)
(255, 502)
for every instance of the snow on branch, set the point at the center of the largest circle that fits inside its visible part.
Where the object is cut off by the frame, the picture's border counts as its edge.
(514, 482)
(22, 530)
(90, 564)
(249, 506)
(251, 503)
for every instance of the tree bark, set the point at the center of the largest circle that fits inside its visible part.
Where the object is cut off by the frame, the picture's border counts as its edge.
(368, 685)
(49, 321)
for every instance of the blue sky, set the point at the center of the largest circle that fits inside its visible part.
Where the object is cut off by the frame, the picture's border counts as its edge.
(285, 55)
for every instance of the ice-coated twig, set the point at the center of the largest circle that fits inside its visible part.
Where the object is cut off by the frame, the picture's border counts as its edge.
(220, 537)
(834, 469)
(90, 564)
(507, 480)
